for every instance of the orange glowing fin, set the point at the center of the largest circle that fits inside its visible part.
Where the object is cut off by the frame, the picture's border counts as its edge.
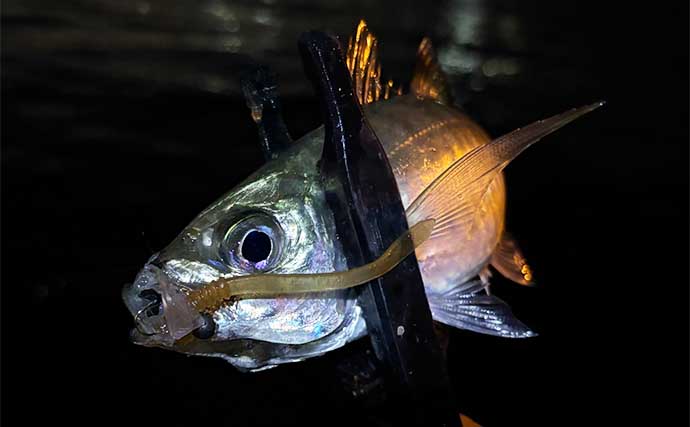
(507, 258)
(428, 80)
(468, 422)
(365, 69)
(453, 198)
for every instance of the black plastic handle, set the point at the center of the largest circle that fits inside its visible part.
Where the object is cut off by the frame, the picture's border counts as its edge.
(364, 197)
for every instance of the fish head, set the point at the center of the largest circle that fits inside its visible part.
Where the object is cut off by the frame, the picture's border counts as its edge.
(275, 222)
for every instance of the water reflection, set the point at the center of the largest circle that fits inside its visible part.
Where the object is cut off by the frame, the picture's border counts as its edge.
(200, 46)
(183, 42)
(484, 45)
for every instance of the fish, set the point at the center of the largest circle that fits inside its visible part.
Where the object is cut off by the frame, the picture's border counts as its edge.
(275, 230)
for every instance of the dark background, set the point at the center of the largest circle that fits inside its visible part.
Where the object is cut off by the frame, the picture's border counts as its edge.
(121, 120)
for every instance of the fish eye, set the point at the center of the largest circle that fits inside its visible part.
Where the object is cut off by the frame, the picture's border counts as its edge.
(252, 244)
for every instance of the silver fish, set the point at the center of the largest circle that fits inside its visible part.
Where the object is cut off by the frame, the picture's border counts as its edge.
(277, 221)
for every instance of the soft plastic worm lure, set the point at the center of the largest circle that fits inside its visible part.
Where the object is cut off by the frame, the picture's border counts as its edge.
(213, 295)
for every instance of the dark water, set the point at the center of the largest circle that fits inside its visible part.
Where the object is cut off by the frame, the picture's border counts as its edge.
(122, 119)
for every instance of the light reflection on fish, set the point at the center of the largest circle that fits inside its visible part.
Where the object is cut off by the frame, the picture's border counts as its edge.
(278, 222)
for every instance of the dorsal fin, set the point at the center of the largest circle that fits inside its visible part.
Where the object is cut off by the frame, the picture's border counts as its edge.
(428, 80)
(365, 69)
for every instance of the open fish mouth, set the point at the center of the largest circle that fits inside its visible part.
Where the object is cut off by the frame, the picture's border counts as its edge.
(144, 301)
(159, 308)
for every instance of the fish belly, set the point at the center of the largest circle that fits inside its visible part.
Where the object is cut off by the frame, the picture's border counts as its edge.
(422, 139)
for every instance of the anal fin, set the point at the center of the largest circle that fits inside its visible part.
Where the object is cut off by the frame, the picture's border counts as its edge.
(507, 258)
(469, 307)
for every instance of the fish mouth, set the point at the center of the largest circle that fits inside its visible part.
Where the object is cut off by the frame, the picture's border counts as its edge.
(160, 309)
(143, 298)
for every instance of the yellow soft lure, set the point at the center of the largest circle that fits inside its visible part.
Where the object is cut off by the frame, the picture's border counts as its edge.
(214, 294)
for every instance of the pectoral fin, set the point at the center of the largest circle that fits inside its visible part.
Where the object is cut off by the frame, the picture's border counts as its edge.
(468, 307)
(453, 197)
(509, 261)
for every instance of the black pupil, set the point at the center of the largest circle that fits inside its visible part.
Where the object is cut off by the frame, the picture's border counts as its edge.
(256, 246)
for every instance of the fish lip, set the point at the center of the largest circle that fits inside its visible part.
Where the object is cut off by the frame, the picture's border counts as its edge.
(154, 340)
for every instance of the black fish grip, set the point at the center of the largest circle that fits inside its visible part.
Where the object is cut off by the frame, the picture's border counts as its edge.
(364, 198)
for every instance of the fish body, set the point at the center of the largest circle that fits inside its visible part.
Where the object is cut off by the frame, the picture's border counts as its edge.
(278, 221)
(422, 138)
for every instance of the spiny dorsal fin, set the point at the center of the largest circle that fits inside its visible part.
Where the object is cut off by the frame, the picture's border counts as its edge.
(365, 68)
(428, 80)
